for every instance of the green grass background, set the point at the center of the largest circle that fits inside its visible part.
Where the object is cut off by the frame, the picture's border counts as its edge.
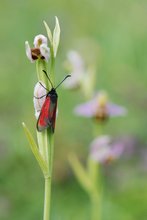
(112, 35)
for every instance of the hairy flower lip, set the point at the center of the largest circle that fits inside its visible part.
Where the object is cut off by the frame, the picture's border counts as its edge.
(35, 52)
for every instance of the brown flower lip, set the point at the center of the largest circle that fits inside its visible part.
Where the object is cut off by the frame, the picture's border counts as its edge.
(102, 114)
(35, 53)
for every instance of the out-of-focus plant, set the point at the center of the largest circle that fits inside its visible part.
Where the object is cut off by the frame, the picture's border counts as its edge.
(44, 56)
(102, 149)
(82, 78)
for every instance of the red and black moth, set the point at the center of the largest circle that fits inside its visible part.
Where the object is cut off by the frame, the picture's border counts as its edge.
(47, 117)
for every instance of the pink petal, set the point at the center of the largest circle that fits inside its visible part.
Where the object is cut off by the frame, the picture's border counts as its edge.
(116, 110)
(87, 109)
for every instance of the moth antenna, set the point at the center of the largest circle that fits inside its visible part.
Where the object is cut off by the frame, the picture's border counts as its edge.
(48, 78)
(62, 81)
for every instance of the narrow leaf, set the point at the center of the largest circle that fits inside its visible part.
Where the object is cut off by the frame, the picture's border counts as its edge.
(56, 37)
(80, 173)
(35, 150)
(49, 33)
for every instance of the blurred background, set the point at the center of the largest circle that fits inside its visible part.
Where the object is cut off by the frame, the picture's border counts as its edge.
(110, 34)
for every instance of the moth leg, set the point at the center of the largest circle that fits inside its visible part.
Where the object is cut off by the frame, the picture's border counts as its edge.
(39, 97)
(43, 86)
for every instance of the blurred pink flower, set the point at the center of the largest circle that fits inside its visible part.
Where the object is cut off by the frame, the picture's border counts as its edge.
(103, 150)
(75, 65)
(100, 108)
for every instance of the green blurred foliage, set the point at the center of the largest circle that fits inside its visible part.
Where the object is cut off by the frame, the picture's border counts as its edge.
(109, 34)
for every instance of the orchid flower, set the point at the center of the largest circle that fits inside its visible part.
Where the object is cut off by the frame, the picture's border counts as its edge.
(75, 65)
(100, 108)
(104, 150)
(40, 49)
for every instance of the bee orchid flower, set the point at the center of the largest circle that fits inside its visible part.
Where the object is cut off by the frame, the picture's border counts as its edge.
(100, 108)
(40, 49)
(104, 150)
(75, 65)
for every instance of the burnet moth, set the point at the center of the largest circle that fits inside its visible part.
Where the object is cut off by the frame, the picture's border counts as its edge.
(47, 115)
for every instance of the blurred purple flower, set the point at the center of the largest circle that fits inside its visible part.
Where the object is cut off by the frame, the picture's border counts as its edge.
(103, 150)
(75, 65)
(100, 108)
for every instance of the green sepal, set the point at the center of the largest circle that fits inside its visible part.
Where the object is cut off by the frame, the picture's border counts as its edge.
(49, 33)
(56, 37)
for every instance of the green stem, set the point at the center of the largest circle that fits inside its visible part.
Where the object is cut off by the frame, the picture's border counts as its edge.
(46, 138)
(48, 179)
(40, 66)
(51, 152)
(95, 205)
(46, 144)
(47, 198)
(95, 193)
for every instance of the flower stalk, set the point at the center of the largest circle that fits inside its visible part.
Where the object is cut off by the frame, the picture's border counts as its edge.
(44, 151)
(99, 109)
(46, 146)
(89, 180)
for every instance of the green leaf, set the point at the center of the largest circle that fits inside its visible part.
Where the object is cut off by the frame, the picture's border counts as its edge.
(35, 150)
(80, 173)
(56, 37)
(49, 33)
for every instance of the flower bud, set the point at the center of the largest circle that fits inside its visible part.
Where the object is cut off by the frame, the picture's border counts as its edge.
(38, 100)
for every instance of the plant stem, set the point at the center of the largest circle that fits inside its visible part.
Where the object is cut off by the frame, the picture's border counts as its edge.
(48, 179)
(46, 144)
(95, 193)
(47, 198)
(95, 205)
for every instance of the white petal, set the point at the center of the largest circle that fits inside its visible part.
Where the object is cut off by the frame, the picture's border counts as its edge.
(28, 51)
(100, 148)
(37, 114)
(71, 82)
(39, 40)
(38, 92)
(76, 62)
(45, 51)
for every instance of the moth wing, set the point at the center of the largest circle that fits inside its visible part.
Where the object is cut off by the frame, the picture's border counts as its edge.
(42, 122)
(47, 115)
(52, 115)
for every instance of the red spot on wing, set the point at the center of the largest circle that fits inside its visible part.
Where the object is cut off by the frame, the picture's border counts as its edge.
(47, 115)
